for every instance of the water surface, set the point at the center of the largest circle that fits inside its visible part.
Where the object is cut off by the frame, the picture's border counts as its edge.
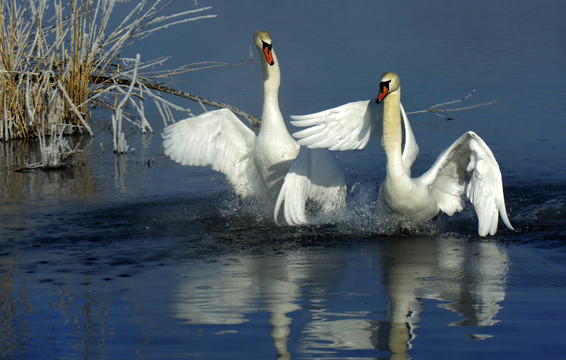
(134, 256)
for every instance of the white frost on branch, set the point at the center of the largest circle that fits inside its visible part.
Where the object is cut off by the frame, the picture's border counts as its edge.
(119, 138)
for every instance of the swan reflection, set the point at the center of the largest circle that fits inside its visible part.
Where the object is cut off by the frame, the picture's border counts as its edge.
(464, 277)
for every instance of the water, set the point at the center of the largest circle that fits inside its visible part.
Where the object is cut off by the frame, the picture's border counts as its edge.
(138, 257)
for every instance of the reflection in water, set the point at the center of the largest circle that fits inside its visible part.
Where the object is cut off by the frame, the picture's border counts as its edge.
(17, 154)
(23, 321)
(325, 335)
(25, 195)
(465, 277)
(120, 172)
(11, 335)
(227, 290)
(220, 292)
(469, 276)
(482, 270)
(121, 176)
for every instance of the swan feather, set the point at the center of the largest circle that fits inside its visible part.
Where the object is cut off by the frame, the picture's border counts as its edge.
(313, 177)
(217, 139)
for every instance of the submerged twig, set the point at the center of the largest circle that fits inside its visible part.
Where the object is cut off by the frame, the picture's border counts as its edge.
(55, 153)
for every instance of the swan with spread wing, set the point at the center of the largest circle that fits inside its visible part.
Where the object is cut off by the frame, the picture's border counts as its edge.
(465, 167)
(271, 166)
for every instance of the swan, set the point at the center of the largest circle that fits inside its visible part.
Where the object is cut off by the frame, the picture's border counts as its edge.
(271, 166)
(465, 167)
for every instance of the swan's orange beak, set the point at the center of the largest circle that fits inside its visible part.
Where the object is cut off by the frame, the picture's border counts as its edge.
(383, 90)
(267, 53)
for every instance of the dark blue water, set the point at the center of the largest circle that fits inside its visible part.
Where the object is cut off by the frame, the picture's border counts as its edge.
(134, 256)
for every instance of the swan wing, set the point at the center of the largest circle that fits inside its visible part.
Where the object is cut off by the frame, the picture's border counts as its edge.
(346, 127)
(313, 177)
(469, 167)
(410, 149)
(217, 139)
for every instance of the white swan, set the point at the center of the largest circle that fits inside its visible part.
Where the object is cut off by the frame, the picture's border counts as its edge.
(466, 167)
(257, 166)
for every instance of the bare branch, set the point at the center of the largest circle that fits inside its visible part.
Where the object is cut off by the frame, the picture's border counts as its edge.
(436, 111)
(254, 121)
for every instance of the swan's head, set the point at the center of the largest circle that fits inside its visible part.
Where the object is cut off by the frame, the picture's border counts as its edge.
(389, 83)
(262, 41)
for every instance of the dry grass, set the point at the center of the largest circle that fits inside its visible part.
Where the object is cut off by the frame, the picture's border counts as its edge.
(57, 58)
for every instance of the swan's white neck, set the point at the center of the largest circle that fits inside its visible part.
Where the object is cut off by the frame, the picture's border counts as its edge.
(271, 81)
(393, 133)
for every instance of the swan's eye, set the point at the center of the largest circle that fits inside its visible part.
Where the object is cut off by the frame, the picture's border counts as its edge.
(267, 53)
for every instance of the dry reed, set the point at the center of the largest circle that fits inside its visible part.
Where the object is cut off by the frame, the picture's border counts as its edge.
(59, 57)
